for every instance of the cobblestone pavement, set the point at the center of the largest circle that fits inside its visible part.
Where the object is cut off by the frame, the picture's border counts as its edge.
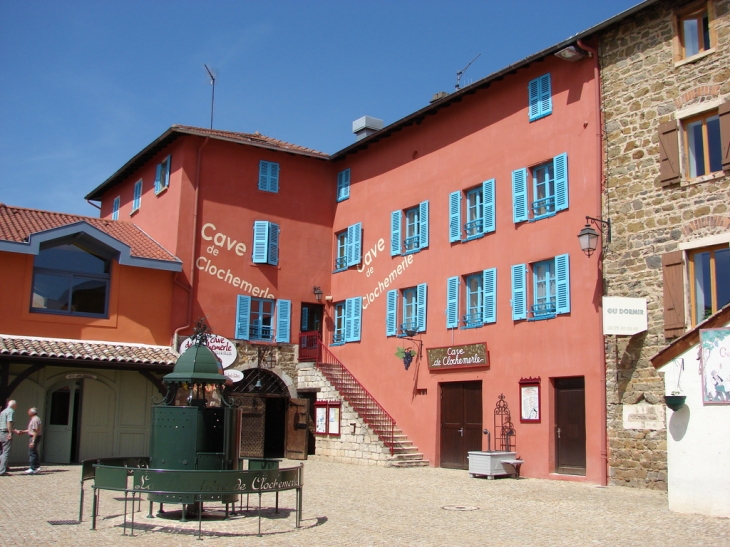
(361, 505)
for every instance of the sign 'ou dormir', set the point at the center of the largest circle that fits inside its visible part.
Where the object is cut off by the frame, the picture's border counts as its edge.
(453, 357)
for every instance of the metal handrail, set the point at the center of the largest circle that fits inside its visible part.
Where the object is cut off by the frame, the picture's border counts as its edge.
(382, 423)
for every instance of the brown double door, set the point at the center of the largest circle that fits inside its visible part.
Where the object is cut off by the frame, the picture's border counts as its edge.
(570, 426)
(461, 422)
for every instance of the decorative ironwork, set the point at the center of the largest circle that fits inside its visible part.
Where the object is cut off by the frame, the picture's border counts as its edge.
(259, 381)
(308, 346)
(547, 309)
(201, 332)
(543, 206)
(412, 243)
(473, 228)
(408, 329)
(474, 320)
(503, 427)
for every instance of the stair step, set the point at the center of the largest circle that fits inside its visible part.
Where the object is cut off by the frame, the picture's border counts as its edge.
(409, 463)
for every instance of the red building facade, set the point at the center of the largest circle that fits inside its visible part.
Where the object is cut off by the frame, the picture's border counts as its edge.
(456, 231)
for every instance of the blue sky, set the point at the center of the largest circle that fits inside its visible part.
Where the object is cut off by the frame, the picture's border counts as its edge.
(86, 85)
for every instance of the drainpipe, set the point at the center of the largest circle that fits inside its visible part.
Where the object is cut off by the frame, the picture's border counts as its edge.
(601, 177)
(191, 288)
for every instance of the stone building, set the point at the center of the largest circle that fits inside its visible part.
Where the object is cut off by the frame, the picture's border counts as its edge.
(665, 72)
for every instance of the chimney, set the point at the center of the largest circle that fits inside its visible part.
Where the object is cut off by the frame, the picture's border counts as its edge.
(365, 126)
(438, 96)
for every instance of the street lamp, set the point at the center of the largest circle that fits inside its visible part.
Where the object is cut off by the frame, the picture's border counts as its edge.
(318, 293)
(588, 237)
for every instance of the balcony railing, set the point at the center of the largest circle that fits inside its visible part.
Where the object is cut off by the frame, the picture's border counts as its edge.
(473, 320)
(341, 263)
(259, 332)
(542, 207)
(405, 327)
(412, 243)
(474, 228)
(543, 311)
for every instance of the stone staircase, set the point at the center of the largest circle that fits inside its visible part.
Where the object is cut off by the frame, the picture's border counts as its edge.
(402, 453)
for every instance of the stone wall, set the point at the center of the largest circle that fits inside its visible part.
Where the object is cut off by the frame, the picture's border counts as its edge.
(356, 443)
(641, 88)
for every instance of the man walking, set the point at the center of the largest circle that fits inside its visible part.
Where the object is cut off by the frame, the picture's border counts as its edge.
(34, 432)
(7, 417)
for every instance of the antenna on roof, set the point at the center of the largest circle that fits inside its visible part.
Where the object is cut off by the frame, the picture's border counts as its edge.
(461, 72)
(212, 98)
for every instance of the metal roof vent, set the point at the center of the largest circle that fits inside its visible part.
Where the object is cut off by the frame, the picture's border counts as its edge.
(367, 125)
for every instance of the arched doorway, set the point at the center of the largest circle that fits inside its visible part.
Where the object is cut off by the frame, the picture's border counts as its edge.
(273, 424)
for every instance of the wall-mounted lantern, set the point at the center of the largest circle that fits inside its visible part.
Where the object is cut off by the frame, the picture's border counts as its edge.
(318, 293)
(588, 237)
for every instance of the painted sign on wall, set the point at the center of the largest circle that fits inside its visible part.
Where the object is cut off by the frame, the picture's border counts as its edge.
(453, 357)
(222, 347)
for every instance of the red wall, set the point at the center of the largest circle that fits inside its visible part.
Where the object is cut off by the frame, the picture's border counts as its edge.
(487, 135)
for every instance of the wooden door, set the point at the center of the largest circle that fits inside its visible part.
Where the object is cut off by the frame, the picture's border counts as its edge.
(297, 429)
(461, 422)
(570, 426)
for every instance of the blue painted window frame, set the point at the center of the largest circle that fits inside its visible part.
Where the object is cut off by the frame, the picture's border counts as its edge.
(543, 190)
(409, 298)
(413, 302)
(540, 97)
(338, 333)
(549, 190)
(543, 290)
(261, 322)
(474, 226)
(343, 185)
(137, 199)
(269, 176)
(348, 245)
(474, 301)
(341, 256)
(259, 318)
(413, 224)
(115, 208)
(265, 248)
(162, 175)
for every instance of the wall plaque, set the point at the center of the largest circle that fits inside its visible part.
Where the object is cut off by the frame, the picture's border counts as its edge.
(456, 357)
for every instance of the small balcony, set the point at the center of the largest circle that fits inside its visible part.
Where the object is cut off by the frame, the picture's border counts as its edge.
(411, 244)
(473, 320)
(543, 207)
(474, 229)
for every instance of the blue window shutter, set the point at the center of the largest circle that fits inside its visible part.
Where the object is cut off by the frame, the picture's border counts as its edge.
(562, 284)
(546, 99)
(519, 292)
(283, 321)
(534, 100)
(353, 316)
(264, 175)
(489, 286)
(158, 178)
(305, 319)
(274, 177)
(395, 222)
(260, 241)
(423, 221)
(243, 316)
(560, 168)
(273, 256)
(354, 244)
(391, 308)
(452, 302)
(421, 295)
(488, 218)
(343, 185)
(519, 195)
(454, 216)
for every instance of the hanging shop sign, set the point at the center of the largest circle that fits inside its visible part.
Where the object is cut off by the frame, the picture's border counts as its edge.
(222, 347)
(624, 316)
(456, 357)
(233, 374)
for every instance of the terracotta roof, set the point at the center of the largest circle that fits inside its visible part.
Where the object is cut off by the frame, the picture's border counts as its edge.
(18, 224)
(249, 138)
(108, 352)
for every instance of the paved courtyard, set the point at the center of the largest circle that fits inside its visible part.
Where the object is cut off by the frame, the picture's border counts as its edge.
(358, 505)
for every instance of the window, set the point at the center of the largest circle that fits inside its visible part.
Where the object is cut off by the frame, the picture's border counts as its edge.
(269, 176)
(68, 279)
(263, 319)
(709, 271)
(327, 417)
(479, 212)
(409, 230)
(137, 200)
(413, 311)
(347, 321)
(162, 176)
(703, 142)
(348, 247)
(694, 31)
(115, 209)
(480, 302)
(265, 243)
(541, 101)
(550, 289)
(343, 185)
(549, 191)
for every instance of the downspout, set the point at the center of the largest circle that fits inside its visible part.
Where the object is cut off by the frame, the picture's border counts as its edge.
(600, 175)
(191, 288)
